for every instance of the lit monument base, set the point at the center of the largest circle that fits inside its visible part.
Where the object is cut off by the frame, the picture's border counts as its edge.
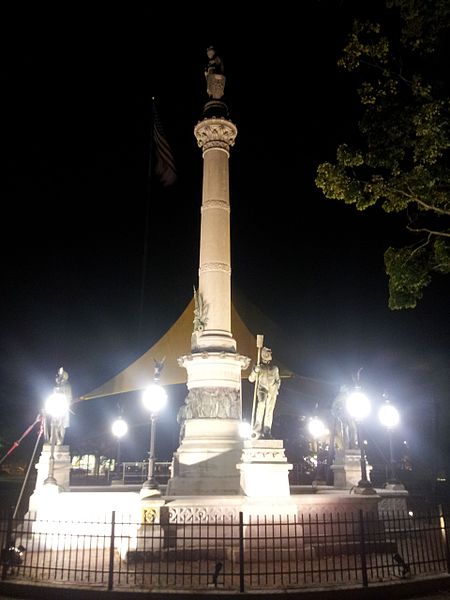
(61, 473)
(190, 521)
(347, 469)
(393, 500)
(150, 528)
(264, 469)
(76, 519)
(264, 481)
(205, 462)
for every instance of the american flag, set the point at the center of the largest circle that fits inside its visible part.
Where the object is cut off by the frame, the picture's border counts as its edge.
(164, 165)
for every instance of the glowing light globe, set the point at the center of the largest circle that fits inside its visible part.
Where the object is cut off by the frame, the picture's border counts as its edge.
(389, 415)
(154, 397)
(316, 428)
(119, 428)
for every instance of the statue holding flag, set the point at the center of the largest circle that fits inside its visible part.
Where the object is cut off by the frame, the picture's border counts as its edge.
(267, 381)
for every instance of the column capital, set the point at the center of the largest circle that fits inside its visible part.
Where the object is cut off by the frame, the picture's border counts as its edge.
(215, 133)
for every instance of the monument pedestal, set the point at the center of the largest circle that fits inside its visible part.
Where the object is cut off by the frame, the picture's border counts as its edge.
(205, 462)
(347, 469)
(61, 472)
(264, 480)
(149, 536)
(264, 469)
(393, 500)
(268, 504)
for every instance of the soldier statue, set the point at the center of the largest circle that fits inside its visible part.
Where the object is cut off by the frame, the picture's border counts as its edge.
(60, 424)
(267, 381)
(215, 79)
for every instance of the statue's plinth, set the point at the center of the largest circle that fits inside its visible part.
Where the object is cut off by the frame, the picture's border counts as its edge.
(265, 482)
(393, 501)
(347, 469)
(264, 469)
(61, 470)
(61, 473)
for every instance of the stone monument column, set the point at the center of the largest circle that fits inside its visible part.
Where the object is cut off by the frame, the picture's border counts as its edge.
(210, 444)
(215, 137)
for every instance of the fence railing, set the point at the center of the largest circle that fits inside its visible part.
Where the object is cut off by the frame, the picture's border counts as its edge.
(127, 473)
(235, 553)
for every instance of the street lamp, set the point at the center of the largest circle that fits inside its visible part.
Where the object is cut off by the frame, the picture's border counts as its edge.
(119, 428)
(358, 407)
(390, 418)
(154, 399)
(317, 430)
(57, 408)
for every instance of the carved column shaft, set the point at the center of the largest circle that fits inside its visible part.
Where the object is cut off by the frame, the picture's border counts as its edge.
(215, 136)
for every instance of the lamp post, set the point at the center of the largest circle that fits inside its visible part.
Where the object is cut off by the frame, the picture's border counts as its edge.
(56, 407)
(358, 407)
(119, 428)
(390, 418)
(154, 399)
(317, 430)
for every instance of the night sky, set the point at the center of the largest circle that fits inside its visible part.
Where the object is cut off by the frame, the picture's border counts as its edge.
(76, 119)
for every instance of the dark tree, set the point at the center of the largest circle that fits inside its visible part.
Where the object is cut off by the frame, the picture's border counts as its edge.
(401, 161)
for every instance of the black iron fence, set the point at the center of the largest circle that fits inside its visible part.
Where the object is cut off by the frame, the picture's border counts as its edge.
(126, 473)
(231, 552)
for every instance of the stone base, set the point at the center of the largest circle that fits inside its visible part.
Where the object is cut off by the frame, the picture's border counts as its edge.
(149, 493)
(151, 510)
(61, 473)
(62, 465)
(394, 486)
(146, 527)
(264, 469)
(205, 462)
(363, 490)
(347, 469)
(392, 501)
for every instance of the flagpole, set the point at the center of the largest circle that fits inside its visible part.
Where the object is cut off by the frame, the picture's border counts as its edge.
(146, 231)
(259, 345)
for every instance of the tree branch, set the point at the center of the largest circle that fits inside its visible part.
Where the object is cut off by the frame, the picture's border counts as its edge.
(441, 211)
(427, 241)
(414, 198)
(392, 73)
(429, 231)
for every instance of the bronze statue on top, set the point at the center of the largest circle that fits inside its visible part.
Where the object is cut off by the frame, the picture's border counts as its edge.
(214, 73)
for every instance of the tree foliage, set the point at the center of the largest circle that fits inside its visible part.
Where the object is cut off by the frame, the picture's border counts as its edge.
(401, 161)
